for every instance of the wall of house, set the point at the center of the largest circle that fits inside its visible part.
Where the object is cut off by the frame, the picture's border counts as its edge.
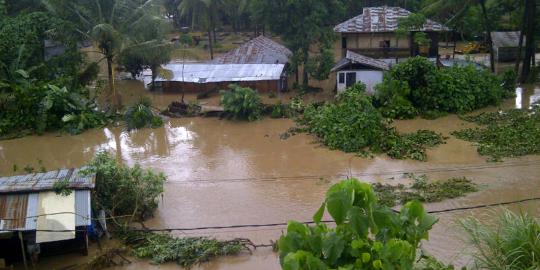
(370, 44)
(369, 77)
(188, 87)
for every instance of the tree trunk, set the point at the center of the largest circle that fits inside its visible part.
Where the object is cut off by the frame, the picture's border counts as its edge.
(530, 48)
(210, 43)
(305, 77)
(487, 26)
(520, 48)
(115, 102)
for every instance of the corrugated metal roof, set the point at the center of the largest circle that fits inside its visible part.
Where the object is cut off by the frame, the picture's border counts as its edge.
(207, 73)
(19, 211)
(506, 39)
(382, 19)
(45, 181)
(260, 50)
(354, 58)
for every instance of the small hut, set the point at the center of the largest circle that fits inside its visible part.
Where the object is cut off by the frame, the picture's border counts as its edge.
(354, 68)
(34, 219)
(506, 45)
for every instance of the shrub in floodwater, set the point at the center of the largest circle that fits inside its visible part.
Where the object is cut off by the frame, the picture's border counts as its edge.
(416, 86)
(367, 235)
(122, 190)
(512, 244)
(353, 124)
(511, 133)
(241, 103)
(162, 248)
(140, 115)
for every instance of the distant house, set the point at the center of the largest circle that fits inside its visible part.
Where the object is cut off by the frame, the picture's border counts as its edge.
(506, 45)
(34, 219)
(356, 68)
(372, 34)
(259, 64)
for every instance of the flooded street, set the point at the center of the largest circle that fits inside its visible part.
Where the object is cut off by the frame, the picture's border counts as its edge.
(232, 173)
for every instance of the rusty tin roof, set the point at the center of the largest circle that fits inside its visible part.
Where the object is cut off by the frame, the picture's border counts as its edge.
(260, 50)
(44, 181)
(382, 19)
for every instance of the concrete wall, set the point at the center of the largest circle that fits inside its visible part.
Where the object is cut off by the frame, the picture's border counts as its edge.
(369, 77)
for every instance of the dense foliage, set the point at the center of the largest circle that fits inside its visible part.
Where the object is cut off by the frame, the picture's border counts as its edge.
(352, 124)
(140, 115)
(511, 133)
(367, 235)
(241, 103)
(512, 244)
(188, 251)
(417, 87)
(124, 191)
(423, 190)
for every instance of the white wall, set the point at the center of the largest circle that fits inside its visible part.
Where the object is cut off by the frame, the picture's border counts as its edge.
(369, 77)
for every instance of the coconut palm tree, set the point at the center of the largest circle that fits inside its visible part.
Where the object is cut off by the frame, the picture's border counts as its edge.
(204, 13)
(111, 25)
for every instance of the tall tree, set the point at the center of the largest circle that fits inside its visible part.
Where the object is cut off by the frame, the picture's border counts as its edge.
(303, 24)
(530, 44)
(110, 24)
(205, 13)
(487, 25)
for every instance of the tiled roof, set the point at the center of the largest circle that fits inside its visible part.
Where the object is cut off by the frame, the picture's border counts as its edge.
(260, 50)
(382, 19)
(354, 58)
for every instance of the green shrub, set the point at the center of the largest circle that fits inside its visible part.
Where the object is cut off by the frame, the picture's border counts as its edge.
(416, 86)
(140, 115)
(512, 244)
(122, 190)
(352, 124)
(367, 235)
(242, 103)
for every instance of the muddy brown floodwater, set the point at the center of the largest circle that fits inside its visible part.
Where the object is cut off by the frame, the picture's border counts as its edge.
(230, 173)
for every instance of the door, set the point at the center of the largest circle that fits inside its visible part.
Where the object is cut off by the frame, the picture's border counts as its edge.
(351, 79)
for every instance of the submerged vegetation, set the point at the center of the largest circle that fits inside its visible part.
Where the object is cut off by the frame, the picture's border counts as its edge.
(417, 87)
(241, 103)
(352, 124)
(512, 244)
(140, 115)
(185, 251)
(511, 133)
(424, 190)
(368, 235)
(123, 191)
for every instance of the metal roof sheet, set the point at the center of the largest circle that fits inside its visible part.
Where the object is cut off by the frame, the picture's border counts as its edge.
(506, 39)
(382, 19)
(45, 181)
(19, 211)
(355, 58)
(260, 50)
(207, 73)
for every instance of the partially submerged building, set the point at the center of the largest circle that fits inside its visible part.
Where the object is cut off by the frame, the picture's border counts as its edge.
(506, 45)
(373, 34)
(259, 64)
(355, 68)
(35, 219)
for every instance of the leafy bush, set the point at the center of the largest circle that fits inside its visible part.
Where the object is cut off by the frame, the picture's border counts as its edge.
(242, 103)
(513, 244)
(416, 86)
(121, 190)
(162, 248)
(140, 115)
(511, 133)
(367, 235)
(352, 124)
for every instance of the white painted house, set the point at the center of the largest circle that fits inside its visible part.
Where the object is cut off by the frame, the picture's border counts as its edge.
(355, 68)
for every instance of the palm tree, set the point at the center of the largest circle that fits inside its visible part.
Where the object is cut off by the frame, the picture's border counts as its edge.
(205, 13)
(110, 24)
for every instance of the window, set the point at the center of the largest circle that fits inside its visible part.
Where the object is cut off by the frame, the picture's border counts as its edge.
(384, 44)
(351, 79)
(344, 43)
(341, 78)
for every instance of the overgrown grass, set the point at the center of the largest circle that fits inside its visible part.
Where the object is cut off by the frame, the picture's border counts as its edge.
(424, 190)
(511, 133)
(189, 251)
(512, 244)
